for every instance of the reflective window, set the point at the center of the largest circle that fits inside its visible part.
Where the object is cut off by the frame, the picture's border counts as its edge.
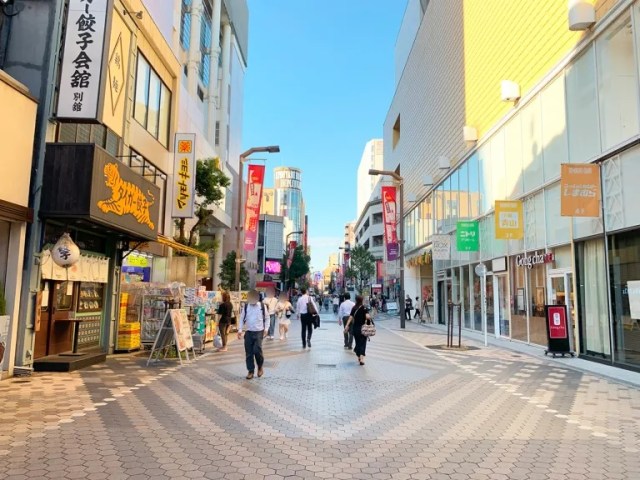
(532, 145)
(152, 102)
(554, 128)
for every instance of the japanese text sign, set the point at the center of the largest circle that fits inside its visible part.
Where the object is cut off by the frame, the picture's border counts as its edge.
(557, 319)
(468, 237)
(441, 247)
(184, 175)
(252, 205)
(509, 220)
(580, 190)
(82, 60)
(390, 220)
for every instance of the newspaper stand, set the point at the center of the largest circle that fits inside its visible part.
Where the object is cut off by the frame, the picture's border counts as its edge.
(558, 338)
(174, 331)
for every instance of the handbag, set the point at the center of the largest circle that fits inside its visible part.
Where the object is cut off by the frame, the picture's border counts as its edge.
(368, 329)
(311, 308)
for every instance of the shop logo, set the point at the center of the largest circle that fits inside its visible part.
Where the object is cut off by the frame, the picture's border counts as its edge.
(534, 259)
(126, 197)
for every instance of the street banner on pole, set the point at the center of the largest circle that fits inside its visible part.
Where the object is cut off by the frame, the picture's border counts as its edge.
(184, 175)
(580, 190)
(252, 205)
(292, 250)
(390, 222)
(509, 220)
(441, 247)
(468, 237)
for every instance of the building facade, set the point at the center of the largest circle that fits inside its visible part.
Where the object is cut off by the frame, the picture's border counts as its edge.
(578, 103)
(289, 202)
(17, 130)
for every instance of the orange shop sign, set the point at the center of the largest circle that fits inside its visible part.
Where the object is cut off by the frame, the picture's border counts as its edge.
(580, 190)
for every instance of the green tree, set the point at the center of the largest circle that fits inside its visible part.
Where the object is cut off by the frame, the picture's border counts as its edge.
(299, 266)
(210, 185)
(228, 272)
(362, 266)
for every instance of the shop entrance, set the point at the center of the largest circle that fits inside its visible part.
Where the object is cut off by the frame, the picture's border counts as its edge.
(501, 307)
(54, 332)
(444, 294)
(560, 288)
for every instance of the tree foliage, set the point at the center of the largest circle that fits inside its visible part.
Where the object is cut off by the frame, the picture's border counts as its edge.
(299, 266)
(209, 189)
(228, 272)
(362, 265)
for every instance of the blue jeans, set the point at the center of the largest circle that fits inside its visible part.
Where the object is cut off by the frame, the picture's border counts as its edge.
(272, 325)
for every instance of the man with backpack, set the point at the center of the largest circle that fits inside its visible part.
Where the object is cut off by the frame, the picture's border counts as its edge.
(306, 309)
(254, 319)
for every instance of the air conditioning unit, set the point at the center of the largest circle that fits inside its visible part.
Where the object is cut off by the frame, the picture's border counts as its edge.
(582, 15)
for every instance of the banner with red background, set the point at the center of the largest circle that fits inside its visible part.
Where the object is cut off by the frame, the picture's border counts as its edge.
(252, 206)
(390, 222)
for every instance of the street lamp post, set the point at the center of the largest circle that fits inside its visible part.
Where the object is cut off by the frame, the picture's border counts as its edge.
(240, 224)
(400, 181)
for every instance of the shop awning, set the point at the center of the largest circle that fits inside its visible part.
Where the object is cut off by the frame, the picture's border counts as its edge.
(182, 248)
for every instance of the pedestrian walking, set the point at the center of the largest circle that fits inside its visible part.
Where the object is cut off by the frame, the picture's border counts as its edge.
(343, 318)
(225, 310)
(408, 306)
(336, 304)
(358, 317)
(306, 309)
(284, 309)
(255, 320)
(271, 301)
(418, 313)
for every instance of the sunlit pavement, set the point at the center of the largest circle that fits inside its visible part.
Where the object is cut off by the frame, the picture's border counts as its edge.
(413, 411)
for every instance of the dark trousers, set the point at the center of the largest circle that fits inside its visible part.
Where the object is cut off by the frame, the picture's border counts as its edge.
(361, 344)
(306, 319)
(223, 327)
(348, 337)
(253, 349)
(407, 313)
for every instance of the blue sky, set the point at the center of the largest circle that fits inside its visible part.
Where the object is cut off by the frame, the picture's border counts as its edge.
(319, 83)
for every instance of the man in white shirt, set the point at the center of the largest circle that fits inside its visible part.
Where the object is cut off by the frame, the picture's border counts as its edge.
(336, 304)
(254, 320)
(343, 316)
(271, 301)
(306, 317)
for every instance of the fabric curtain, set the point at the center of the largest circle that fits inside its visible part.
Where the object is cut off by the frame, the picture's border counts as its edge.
(595, 313)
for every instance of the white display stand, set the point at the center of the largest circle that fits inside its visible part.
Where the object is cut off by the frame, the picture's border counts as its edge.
(175, 330)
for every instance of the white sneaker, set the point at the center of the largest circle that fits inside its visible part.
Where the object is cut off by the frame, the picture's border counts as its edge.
(281, 338)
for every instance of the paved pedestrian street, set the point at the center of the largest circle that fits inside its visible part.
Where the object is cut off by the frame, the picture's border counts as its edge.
(412, 412)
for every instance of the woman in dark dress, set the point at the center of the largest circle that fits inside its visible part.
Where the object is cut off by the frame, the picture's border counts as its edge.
(357, 319)
(225, 310)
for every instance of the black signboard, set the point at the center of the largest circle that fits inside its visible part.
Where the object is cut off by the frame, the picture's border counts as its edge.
(83, 181)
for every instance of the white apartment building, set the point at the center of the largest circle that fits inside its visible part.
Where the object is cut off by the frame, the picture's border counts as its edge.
(371, 158)
(210, 40)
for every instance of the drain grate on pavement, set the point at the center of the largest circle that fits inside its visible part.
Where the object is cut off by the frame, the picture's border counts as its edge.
(463, 348)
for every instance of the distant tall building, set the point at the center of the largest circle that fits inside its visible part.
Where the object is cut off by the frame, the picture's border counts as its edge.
(289, 202)
(349, 233)
(372, 157)
(268, 205)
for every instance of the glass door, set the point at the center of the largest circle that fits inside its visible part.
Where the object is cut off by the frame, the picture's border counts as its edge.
(561, 293)
(502, 307)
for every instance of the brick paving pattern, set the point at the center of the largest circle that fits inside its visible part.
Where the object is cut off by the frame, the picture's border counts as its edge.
(412, 412)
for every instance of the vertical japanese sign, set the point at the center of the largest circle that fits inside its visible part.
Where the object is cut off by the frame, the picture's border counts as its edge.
(509, 220)
(252, 206)
(82, 60)
(184, 175)
(580, 190)
(468, 237)
(390, 222)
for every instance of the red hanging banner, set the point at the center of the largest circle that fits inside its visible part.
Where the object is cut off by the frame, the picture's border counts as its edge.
(390, 223)
(252, 206)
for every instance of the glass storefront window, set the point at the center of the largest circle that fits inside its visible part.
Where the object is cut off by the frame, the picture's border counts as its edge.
(592, 291)
(477, 302)
(465, 296)
(537, 297)
(474, 186)
(484, 178)
(519, 322)
(617, 83)
(624, 268)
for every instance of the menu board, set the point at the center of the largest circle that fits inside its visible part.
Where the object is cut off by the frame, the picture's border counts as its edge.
(181, 329)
